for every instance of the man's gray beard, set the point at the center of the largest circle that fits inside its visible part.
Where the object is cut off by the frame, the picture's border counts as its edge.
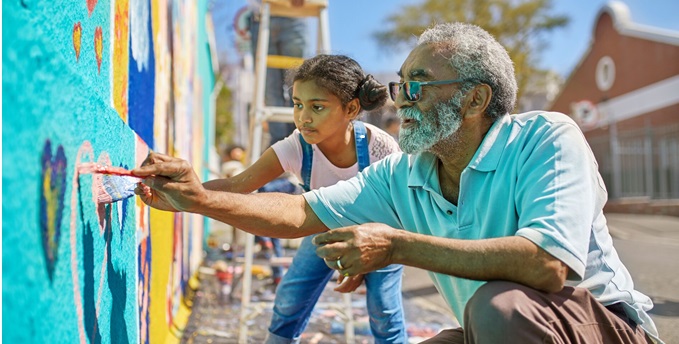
(433, 126)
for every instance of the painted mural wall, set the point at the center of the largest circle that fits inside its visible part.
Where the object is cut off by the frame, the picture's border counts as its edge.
(98, 81)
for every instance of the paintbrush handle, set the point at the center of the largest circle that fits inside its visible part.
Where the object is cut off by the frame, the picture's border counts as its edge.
(91, 167)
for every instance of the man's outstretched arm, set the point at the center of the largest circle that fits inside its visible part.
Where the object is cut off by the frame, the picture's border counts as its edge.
(171, 183)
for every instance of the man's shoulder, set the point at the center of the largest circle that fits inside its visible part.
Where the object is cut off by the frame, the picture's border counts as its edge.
(541, 118)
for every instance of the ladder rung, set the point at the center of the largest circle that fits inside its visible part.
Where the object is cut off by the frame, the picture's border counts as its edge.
(283, 8)
(283, 62)
(273, 261)
(277, 114)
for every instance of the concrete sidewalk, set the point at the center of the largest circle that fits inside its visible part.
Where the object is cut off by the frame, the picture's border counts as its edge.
(644, 227)
(216, 312)
(648, 245)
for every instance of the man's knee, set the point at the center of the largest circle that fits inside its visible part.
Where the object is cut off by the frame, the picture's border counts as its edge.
(495, 303)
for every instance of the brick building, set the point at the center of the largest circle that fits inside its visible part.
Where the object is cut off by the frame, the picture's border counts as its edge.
(624, 94)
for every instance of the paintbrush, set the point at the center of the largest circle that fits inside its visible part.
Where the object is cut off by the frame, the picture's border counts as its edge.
(93, 167)
(117, 183)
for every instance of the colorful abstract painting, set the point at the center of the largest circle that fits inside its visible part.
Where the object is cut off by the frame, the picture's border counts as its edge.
(91, 81)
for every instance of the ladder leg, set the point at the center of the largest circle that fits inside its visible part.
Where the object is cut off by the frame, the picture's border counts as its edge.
(256, 147)
(256, 113)
(245, 310)
(323, 32)
(349, 324)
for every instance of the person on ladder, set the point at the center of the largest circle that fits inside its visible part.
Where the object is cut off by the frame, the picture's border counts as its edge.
(329, 145)
(287, 37)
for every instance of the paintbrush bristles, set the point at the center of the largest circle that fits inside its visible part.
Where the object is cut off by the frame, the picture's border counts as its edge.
(115, 183)
(116, 188)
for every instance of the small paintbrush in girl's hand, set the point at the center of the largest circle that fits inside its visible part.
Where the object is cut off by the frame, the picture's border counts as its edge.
(117, 183)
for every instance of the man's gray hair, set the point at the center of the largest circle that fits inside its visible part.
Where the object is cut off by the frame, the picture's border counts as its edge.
(476, 55)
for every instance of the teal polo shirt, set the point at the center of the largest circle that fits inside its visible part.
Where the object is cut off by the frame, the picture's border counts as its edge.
(533, 175)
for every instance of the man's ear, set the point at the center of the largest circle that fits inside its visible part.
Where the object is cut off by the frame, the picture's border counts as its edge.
(480, 98)
(353, 107)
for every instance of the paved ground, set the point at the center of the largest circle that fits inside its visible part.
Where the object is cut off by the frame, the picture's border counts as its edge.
(648, 246)
(215, 315)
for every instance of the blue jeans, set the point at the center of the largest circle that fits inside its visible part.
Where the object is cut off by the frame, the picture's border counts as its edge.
(303, 284)
(276, 271)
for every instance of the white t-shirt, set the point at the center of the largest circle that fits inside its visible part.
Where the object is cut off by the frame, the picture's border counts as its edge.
(323, 172)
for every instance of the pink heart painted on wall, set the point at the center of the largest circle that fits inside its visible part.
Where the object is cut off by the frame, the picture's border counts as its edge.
(52, 191)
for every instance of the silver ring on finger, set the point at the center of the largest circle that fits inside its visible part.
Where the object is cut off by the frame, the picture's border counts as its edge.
(339, 264)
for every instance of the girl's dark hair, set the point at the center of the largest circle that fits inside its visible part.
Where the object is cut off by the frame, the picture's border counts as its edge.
(343, 77)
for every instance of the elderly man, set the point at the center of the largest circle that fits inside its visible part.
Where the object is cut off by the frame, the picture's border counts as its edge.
(505, 211)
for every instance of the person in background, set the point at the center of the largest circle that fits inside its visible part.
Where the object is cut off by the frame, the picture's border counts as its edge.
(232, 161)
(287, 37)
(505, 211)
(232, 164)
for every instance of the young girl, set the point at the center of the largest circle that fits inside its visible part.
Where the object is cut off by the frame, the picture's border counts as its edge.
(329, 93)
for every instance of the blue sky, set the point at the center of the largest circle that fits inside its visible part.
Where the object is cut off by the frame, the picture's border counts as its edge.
(352, 23)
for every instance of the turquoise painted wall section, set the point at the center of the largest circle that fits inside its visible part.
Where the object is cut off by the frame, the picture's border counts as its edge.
(75, 270)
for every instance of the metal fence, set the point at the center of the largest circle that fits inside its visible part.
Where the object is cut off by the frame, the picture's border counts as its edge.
(639, 163)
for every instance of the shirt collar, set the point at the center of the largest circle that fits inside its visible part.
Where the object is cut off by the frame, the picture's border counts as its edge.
(423, 167)
(489, 152)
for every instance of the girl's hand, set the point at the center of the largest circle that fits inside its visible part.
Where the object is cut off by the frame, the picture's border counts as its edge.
(350, 284)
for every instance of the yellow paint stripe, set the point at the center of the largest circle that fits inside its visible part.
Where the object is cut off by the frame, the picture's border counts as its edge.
(181, 319)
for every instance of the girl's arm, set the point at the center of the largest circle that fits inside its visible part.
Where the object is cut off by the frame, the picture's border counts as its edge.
(171, 184)
(264, 170)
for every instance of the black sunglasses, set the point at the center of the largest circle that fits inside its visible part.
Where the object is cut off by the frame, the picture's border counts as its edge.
(413, 89)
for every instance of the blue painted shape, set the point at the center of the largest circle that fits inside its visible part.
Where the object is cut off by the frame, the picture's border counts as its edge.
(142, 87)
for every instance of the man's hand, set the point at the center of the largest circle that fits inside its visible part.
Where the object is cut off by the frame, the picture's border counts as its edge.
(361, 248)
(168, 183)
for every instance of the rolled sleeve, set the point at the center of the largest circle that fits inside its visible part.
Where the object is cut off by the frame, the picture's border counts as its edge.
(556, 249)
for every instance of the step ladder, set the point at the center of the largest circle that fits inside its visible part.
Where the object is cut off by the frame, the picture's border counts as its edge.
(260, 113)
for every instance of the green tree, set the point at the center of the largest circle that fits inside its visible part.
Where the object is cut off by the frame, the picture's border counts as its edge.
(519, 25)
(223, 118)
